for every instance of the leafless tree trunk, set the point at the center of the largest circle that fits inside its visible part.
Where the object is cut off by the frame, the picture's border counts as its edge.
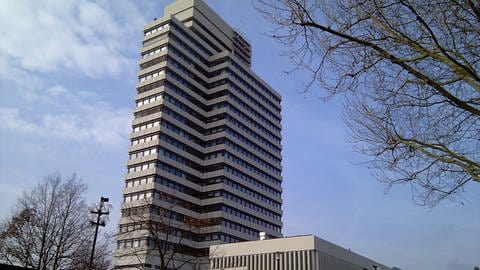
(50, 228)
(101, 259)
(410, 74)
(161, 232)
(19, 230)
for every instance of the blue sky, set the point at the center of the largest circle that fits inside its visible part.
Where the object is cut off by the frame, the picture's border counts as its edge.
(67, 83)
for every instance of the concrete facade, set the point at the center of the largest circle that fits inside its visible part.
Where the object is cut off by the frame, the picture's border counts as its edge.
(291, 253)
(205, 141)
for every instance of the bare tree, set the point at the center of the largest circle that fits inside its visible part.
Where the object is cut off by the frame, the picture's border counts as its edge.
(49, 229)
(16, 239)
(160, 231)
(410, 74)
(102, 257)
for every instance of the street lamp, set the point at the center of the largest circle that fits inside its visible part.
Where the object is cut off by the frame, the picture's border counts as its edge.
(98, 217)
(278, 254)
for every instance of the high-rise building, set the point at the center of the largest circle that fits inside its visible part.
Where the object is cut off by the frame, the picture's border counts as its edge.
(205, 154)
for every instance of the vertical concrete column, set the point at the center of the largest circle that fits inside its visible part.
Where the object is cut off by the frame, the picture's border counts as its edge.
(271, 265)
(281, 262)
(290, 260)
(317, 260)
(260, 261)
(309, 259)
(295, 260)
(287, 260)
(304, 259)
(264, 261)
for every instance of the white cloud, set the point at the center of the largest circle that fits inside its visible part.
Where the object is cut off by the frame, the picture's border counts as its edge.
(56, 36)
(9, 72)
(79, 118)
(50, 42)
(56, 90)
(11, 119)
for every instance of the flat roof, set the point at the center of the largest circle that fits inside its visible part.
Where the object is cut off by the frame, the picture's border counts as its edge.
(288, 244)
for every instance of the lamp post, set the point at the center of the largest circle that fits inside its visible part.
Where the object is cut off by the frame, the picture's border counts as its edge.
(278, 254)
(98, 217)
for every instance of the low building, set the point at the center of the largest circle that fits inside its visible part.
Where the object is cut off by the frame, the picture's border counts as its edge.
(291, 253)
